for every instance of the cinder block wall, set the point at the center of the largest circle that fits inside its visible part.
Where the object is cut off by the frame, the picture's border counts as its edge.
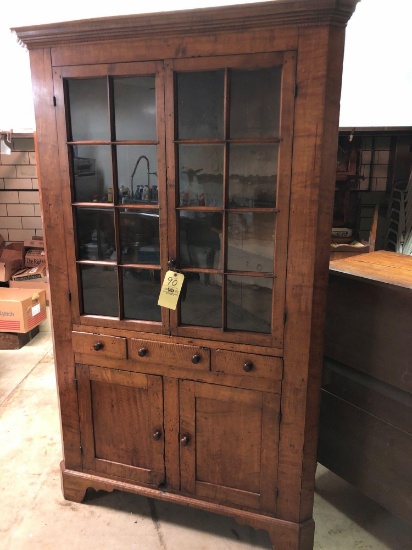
(20, 215)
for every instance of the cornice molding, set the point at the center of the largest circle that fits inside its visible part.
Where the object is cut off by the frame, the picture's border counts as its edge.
(236, 18)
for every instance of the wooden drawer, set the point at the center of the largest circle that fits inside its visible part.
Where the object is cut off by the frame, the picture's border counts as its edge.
(169, 354)
(247, 364)
(99, 345)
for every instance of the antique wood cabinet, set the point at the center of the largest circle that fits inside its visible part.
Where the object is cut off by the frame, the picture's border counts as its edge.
(200, 141)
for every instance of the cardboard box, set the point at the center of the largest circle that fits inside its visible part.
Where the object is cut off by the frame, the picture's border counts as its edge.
(39, 272)
(41, 284)
(34, 243)
(11, 260)
(34, 256)
(21, 309)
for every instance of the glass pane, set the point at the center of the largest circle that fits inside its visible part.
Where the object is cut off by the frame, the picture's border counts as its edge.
(95, 234)
(249, 303)
(201, 175)
(201, 300)
(200, 239)
(255, 103)
(250, 242)
(141, 289)
(137, 174)
(139, 236)
(135, 107)
(99, 285)
(92, 172)
(89, 111)
(252, 175)
(200, 105)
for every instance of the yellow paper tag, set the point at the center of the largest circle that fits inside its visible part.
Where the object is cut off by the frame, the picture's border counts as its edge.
(170, 291)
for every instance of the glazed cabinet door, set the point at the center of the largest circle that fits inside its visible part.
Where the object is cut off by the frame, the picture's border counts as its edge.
(229, 147)
(121, 422)
(229, 445)
(111, 143)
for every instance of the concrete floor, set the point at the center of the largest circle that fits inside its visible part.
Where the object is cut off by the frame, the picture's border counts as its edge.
(34, 515)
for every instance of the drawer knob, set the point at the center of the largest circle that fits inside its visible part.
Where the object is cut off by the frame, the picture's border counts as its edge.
(185, 440)
(97, 346)
(248, 366)
(142, 352)
(196, 359)
(157, 435)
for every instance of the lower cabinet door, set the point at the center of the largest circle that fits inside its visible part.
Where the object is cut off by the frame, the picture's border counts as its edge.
(229, 445)
(121, 423)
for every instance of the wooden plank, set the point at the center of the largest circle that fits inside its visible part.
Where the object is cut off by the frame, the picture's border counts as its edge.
(313, 170)
(366, 392)
(118, 377)
(15, 340)
(368, 329)
(384, 268)
(156, 424)
(171, 429)
(368, 453)
(265, 40)
(55, 236)
(269, 453)
(187, 429)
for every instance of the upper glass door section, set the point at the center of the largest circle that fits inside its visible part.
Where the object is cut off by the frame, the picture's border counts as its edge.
(113, 154)
(227, 135)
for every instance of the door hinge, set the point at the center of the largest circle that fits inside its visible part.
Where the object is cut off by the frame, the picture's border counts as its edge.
(295, 90)
(54, 101)
(69, 295)
(280, 417)
(285, 317)
(76, 384)
(81, 449)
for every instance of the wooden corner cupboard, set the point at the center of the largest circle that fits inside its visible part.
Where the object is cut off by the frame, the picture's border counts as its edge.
(204, 142)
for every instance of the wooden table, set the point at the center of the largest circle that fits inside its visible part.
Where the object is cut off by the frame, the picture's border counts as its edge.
(366, 410)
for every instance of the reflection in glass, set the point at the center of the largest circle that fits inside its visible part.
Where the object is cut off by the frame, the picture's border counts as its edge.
(141, 289)
(139, 236)
(201, 175)
(200, 105)
(255, 103)
(250, 241)
(249, 303)
(135, 107)
(200, 239)
(99, 286)
(89, 114)
(201, 300)
(95, 234)
(252, 175)
(92, 172)
(137, 174)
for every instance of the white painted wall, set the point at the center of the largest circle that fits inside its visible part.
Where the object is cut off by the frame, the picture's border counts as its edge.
(377, 77)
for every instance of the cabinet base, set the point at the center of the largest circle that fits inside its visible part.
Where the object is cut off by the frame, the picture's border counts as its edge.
(284, 535)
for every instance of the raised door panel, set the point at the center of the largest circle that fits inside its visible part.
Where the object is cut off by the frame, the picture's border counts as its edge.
(229, 445)
(121, 418)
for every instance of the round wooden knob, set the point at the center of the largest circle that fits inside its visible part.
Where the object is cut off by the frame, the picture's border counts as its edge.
(248, 366)
(97, 346)
(196, 359)
(157, 435)
(185, 441)
(142, 352)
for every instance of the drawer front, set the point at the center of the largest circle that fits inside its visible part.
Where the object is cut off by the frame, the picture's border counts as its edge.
(247, 364)
(171, 355)
(99, 345)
